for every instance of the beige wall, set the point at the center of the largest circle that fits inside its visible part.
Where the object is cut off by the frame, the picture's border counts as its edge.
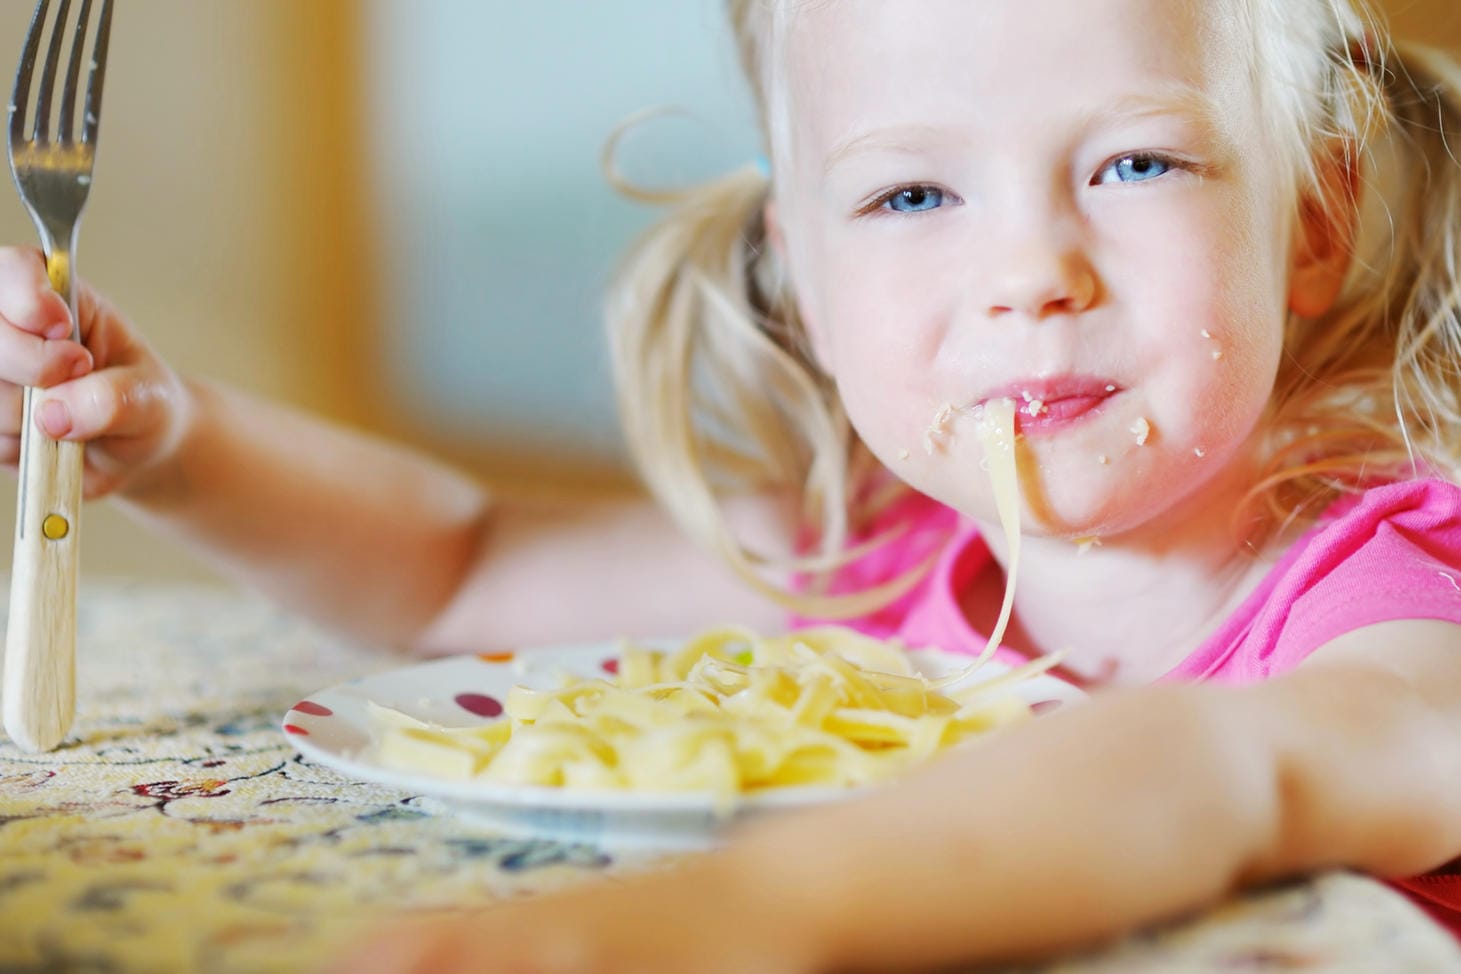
(1435, 22)
(228, 218)
(220, 217)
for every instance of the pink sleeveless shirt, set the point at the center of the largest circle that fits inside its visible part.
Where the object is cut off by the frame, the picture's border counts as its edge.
(1391, 553)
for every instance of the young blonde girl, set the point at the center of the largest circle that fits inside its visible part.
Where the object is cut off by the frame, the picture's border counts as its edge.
(1208, 250)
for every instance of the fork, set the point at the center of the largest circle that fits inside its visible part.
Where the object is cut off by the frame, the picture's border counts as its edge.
(53, 176)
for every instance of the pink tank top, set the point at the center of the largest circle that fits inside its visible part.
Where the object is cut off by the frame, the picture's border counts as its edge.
(1391, 553)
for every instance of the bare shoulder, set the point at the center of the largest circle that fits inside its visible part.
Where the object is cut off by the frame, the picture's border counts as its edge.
(554, 569)
(1410, 667)
(1425, 653)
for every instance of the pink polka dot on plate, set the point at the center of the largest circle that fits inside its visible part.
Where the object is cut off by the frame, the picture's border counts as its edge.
(295, 729)
(479, 704)
(610, 666)
(313, 709)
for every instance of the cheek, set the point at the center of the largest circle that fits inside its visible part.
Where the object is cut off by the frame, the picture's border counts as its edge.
(1248, 330)
(1217, 347)
(888, 349)
(1215, 390)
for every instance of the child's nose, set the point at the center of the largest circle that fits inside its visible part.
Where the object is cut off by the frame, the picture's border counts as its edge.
(1039, 280)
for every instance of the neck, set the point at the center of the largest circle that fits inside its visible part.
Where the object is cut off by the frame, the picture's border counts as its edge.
(1129, 608)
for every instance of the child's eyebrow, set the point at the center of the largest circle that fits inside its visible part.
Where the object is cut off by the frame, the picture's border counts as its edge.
(1179, 100)
(896, 138)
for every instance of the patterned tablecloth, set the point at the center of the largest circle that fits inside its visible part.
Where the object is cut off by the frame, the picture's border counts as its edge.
(177, 829)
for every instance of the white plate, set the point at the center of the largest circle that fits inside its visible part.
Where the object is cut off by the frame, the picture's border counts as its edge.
(334, 728)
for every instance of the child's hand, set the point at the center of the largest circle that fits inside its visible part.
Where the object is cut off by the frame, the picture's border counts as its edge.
(110, 390)
(691, 920)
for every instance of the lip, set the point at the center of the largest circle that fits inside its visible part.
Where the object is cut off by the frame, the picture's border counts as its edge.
(1064, 400)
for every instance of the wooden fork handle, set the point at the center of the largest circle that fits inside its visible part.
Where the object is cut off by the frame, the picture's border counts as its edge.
(39, 699)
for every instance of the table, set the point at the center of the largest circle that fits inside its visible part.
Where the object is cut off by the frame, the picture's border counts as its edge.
(178, 830)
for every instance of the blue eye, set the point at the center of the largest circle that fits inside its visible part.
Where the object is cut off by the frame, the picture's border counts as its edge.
(1134, 169)
(915, 199)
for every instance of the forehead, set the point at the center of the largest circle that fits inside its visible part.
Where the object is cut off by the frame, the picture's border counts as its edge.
(857, 64)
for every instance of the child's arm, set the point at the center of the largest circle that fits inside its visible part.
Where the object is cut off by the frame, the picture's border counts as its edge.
(1147, 803)
(1087, 823)
(369, 537)
(382, 541)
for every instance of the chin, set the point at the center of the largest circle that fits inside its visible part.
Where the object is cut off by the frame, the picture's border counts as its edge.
(1124, 497)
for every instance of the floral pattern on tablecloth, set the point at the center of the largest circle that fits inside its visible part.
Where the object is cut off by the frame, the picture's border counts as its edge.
(178, 830)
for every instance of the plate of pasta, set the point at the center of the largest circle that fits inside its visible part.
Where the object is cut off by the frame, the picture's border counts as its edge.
(662, 744)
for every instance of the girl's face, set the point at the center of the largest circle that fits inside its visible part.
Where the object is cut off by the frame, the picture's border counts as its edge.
(1066, 202)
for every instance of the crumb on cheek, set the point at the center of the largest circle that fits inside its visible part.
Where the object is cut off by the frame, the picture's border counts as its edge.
(938, 430)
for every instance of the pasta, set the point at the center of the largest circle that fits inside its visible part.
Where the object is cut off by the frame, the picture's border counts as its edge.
(996, 430)
(732, 712)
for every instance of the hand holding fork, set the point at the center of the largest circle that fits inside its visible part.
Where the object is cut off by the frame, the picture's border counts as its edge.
(53, 176)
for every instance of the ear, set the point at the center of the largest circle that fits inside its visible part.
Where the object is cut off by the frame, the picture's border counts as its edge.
(776, 239)
(1324, 235)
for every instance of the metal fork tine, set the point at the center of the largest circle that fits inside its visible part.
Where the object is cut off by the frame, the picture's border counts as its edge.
(20, 100)
(73, 70)
(98, 73)
(48, 75)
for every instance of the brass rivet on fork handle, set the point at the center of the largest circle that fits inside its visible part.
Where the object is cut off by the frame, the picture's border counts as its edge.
(55, 527)
(53, 176)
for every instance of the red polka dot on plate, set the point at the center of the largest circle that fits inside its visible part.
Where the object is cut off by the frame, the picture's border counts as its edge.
(479, 704)
(295, 729)
(610, 666)
(313, 709)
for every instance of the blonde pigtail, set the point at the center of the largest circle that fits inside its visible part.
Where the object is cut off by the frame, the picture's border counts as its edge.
(718, 394)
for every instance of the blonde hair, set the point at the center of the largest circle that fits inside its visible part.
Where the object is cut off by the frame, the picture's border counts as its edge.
(719, 393)
(1371, 391)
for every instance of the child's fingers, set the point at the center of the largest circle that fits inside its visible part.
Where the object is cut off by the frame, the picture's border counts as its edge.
(28, 360)
(112, 402)
(26, 298)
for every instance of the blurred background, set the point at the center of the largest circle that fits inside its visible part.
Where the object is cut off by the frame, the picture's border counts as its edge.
(394, 212)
